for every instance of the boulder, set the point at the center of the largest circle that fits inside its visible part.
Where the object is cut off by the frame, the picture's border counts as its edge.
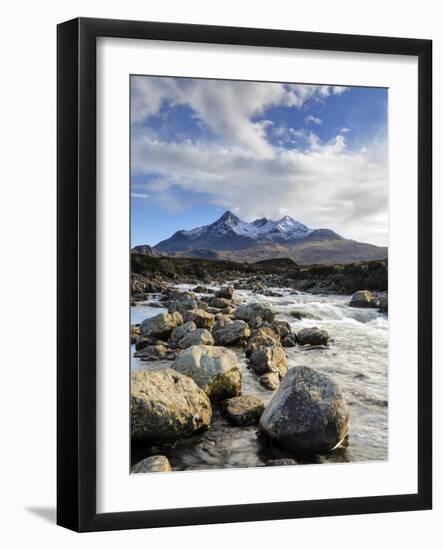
(244, 410)
(215, 369)
(281, 462)
(269, 359)
(270, 381)
(200, 317)
(157, 352)
(182, 302)
(199, 336)
(225, 292)
(236, 332)
(381, 302)
(362, 298)
(161, 325)
(220, 303)
(282, 328)
(166, 405)
(289, 341)
(307, 414)
(250, 312)
(179, 332)
(157, 463)
(261, 337)
(221, 321)
(312, 336)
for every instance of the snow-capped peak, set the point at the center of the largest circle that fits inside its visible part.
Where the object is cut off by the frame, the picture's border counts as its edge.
(260, 229)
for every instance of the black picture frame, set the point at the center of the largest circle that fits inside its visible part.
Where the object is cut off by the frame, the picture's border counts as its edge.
(76, 265)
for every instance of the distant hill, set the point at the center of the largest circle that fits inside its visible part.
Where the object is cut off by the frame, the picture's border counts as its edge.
(230, 238)
(146, 250)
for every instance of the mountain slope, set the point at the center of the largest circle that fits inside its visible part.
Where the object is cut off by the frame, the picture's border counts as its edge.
(230, 238)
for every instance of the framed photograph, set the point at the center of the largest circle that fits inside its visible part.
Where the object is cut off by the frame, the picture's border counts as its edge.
(244, 274)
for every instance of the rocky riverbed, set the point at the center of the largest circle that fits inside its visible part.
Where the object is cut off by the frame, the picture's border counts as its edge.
(242, 373)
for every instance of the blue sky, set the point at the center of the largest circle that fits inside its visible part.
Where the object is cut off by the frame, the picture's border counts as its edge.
(314, 152)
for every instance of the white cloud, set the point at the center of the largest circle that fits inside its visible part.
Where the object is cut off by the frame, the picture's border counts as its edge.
(313, 119)
(323, 185)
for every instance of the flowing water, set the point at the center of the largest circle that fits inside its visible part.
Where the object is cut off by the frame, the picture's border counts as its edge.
(357, 358)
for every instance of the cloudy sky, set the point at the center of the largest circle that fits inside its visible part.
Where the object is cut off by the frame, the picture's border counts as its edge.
(200, 147)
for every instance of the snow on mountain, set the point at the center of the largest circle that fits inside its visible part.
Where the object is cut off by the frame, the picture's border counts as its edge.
(261, 229)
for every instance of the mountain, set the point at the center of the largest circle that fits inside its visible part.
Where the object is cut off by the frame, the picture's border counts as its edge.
(230, 238)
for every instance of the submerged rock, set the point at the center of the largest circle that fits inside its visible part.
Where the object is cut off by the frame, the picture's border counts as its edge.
(167, 405)
(269, 359)
(307, 414)
(362, 298)
(244, 410)
(236, 332)
(312, 336)
(161, 325)
(215, 369)
(270, 381)
(156, 463)
(250, 312)
(200, 317)
(199, 336)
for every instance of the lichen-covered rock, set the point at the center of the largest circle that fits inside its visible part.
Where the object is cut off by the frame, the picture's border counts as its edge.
(200, 317)
(225, 292)
(250, 312)
(282, 328)
(307, 414)
(269, 359)
(289, 341)
(156, 463)
(161, 325)
(233, 333)
(261, 337)
(215, 369)
(270, 381)
(244, 410)
(157, 352)
(199, 336)
(166, 405)
(179, 332)
(312, 336)
(362, 298)
(281, 462)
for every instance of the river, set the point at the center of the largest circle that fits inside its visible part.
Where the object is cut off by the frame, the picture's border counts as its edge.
(357, 358)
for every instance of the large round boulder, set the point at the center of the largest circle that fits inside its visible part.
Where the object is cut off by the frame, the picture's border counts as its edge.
(156, 463)
(182, 302)
(215, 369)
(199, 336)
(161, 325)
(233, 333)
(166, 405)
(362, 298)
(307, 414)
(312, 336)
(250, 312)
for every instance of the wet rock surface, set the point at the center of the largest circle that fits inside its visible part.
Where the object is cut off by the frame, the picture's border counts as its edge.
(244, 410)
